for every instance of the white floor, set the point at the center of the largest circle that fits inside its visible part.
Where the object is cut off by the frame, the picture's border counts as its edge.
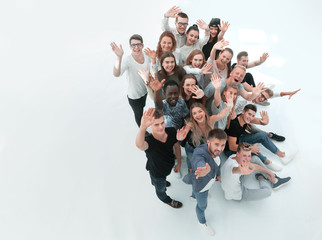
(69, 168)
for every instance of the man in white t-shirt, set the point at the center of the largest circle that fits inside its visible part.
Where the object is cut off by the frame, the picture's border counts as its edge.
(241, 164)
(137, 91)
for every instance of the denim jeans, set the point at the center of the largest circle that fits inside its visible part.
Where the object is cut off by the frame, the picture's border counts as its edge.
(202, 200)
(189, 152)
(261, 138)
(160, 185)
(137, 106)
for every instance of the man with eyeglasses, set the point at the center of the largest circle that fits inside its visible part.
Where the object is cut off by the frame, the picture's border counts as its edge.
(181, 24)
(137, 91)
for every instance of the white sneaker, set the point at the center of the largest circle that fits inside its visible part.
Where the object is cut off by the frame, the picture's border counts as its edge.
(288, 157)
(208, 229)
(273, 166)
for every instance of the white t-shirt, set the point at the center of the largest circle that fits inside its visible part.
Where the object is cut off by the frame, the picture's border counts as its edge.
(230, 182)
(212, 181)
(136, 88)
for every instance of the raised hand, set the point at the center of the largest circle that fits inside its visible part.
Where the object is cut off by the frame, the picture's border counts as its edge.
(265, 118)
(221, 44)
(246, 167)
(230, 102)
(144, 73)
(216, 81)
(206, 68)
(202, 24)
(258, 89)
(117, 50)
(292, 93)
(147, 118)
(255, 149)
(233, 114)
(224, 27)
(202, 171)
(197, 91)
(172, 12)
(182, 133)
(150, 53)
(154, 83)
(263, 57)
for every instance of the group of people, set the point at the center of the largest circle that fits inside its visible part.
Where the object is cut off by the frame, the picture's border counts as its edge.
(204, 105)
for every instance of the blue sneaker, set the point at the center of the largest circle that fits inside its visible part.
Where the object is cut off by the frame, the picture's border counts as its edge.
(280, 182)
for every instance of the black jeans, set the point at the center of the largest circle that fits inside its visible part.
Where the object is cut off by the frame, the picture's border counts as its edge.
(137, 106)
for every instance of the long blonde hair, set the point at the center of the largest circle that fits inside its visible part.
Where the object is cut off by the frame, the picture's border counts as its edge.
(197, 134)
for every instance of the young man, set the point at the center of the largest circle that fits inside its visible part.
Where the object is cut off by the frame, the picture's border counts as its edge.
(205, 171)
(235, 78)
(181, 24)
(158, 147)
(242, 59)
(265, 94)
(235, 136)
(241, 164)
(137, 91)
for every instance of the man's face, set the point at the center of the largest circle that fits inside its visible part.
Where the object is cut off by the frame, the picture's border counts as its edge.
(158, 126)
(172, 95)
(216, 146)
(181, 24)
(262, 97)
(244, 157)
(136, 46)
(243, 61)
(248, 116)
(237, 75)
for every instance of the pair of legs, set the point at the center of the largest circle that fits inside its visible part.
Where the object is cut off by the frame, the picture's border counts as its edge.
(137, 106)
(160, 185)
(261, 137)
(202, 201)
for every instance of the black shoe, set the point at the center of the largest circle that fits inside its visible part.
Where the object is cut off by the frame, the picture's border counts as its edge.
(280, 182)
(175, 204)
(257, 175)
(277, 137)
(168, 184)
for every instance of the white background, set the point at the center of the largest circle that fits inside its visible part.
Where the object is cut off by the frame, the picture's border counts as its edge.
(69, 168)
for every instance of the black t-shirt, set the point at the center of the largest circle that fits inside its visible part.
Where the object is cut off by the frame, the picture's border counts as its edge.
(234, 130)
(161, 155)
(248, 77)
(206, 49)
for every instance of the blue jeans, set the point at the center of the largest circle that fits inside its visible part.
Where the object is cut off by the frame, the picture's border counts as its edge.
(160, 185)
(202, 200)
(261, 138)
(189, 152)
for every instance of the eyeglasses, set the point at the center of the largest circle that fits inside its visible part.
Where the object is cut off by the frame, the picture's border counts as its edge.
(136, 45)
(263, 96)
(182, 24)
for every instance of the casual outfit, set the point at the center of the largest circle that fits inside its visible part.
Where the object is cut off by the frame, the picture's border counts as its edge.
(137, 91)
(202, 83)
(221, 123)
(174, 115)
(201, 186)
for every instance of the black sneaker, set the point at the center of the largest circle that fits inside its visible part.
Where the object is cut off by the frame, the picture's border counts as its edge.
(168, 184)
(175, 204)
(257, 175)
(277, 137)
(280, 182)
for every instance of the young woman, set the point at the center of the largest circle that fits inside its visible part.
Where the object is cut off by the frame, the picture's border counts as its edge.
(222, 65)
(197, 65)
(167, 43)
(196, 131)
(193, 42)
(190, 91)
(217, 33)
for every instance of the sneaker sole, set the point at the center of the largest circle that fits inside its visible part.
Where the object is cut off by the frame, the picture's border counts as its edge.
(282, 185)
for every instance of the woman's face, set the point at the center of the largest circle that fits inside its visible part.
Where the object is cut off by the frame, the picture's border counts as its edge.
(166, 44)
(213, 31)
(224, 57)
(197, 61)
(198, 114)
(231, 92)
(192, 37)
(168, 64)
(189, 83)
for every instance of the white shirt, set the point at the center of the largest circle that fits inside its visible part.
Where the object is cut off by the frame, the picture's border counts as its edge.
(230, 182)
(212, 181)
